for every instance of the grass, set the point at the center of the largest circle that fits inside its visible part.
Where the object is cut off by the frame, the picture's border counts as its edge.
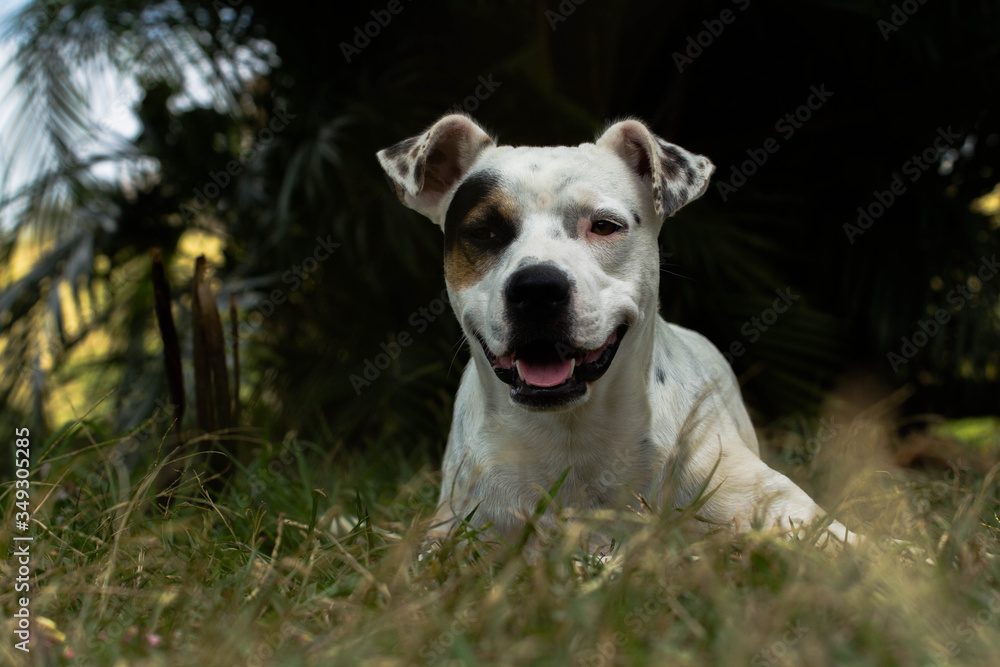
(272, 571)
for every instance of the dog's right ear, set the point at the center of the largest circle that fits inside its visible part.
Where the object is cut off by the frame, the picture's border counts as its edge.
(675, 176)
(426, 168)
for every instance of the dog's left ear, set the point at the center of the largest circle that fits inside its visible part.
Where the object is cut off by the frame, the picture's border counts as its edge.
(425, 168)
(675, 175)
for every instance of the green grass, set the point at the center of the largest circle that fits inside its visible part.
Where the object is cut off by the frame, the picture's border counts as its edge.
(271, 571)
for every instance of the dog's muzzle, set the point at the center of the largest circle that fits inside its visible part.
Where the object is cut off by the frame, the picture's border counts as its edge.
(549, 373)
(542, 368)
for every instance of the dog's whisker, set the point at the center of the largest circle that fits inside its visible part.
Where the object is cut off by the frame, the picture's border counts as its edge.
(674, 273)
(458, 350)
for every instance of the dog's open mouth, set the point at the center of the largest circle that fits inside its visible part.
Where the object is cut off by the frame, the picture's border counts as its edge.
(546, 373)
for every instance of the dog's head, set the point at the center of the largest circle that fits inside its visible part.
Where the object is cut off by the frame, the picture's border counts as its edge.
(550, 253)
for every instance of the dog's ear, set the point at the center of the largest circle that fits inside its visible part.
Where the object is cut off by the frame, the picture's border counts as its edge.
(675, 175)
(425, 168)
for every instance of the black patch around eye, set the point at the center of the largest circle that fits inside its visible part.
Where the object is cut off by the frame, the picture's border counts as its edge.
(490, 233)
(473, 191)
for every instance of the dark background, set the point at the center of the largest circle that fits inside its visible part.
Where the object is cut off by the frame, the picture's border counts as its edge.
(562, 75)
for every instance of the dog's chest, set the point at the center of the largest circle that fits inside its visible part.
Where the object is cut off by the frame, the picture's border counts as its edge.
(604, 467)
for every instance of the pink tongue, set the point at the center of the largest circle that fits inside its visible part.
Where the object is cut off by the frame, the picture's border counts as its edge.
(542, 374)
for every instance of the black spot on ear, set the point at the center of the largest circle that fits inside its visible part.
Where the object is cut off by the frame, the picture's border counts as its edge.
(671, 202)
(418, 171)
(403, 168)
(676, 163)
(689, 175)
(671, 170)
(661, 377)
(395, 151)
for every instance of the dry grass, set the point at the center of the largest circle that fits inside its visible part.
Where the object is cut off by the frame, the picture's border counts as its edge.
(273, 572)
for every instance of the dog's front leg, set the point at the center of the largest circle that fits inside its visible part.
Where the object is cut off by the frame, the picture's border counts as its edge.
(747, 490)
(739, 489)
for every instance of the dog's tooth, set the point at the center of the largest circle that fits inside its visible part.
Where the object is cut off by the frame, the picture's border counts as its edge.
(520, 375)
(572, 367)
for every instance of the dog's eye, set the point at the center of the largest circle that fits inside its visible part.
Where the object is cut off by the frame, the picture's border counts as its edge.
(482, 234)
(604, 227)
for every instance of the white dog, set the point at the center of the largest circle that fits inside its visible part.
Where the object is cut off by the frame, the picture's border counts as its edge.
(552, 268)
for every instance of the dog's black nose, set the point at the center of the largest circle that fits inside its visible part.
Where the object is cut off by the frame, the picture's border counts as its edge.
(537, 293)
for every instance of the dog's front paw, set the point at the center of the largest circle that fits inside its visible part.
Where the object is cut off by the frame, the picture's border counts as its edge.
(837, 536)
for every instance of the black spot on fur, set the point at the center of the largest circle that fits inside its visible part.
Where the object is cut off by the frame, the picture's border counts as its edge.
(563, 183)
(671, 201)
(671, 170)
(661, 377)
(676, 162)
(676, 156)
(395, 151)
(403, 168)
(570, 214)
(418, 172)
(570, 227)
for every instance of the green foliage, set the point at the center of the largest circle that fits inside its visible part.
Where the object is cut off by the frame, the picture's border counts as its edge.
(213, 84)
